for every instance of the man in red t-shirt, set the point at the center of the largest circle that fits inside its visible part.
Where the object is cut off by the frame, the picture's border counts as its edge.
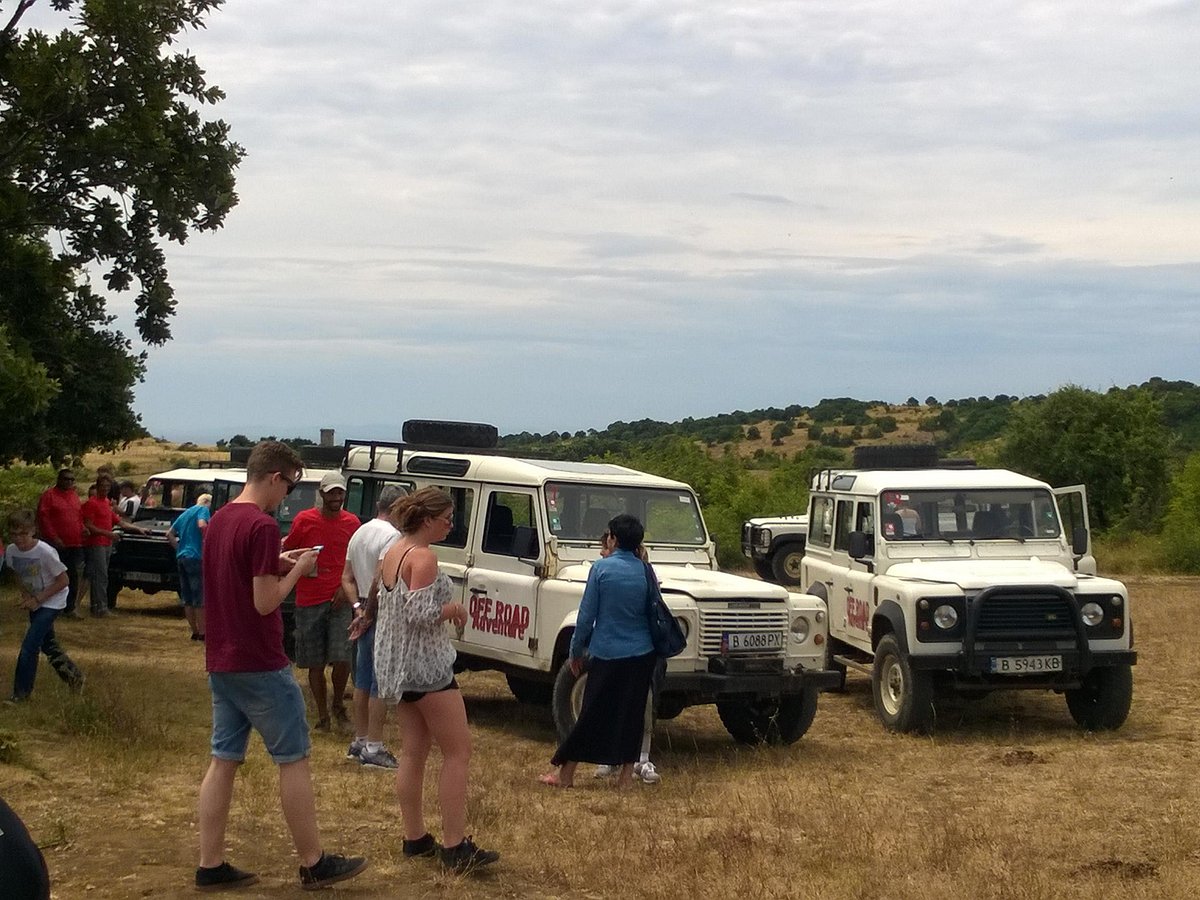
(61, 526)
(249, 675)
(323, 611)
(99, 520)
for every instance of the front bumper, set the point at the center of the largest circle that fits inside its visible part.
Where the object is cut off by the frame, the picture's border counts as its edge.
(733, 678)
(974, 672)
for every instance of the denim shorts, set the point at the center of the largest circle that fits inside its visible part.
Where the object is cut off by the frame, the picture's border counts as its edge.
(268, 702)
(364, 662)
(191, 582)
(321, 637)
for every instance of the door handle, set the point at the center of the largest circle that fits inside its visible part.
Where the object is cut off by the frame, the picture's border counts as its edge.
(848, 589)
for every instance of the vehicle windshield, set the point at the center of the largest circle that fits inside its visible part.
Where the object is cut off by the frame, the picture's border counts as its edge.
(968, 515)
(581, 512)
(171, 494)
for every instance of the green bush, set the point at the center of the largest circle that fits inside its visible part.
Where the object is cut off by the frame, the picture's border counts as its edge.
(20, 488)
(1181, 526)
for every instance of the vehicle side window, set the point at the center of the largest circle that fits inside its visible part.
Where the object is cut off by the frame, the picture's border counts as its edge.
(845, 515)
(820, 522)
(506, 511)
(362, 494)
(864, 519)
(464, 505)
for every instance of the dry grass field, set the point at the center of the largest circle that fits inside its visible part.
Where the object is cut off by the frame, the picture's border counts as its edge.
(1006, 800)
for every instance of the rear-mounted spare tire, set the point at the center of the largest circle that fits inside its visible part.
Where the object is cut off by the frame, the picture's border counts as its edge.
(433, 432)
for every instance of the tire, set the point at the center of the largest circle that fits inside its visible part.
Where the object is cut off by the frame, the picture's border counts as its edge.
(1102, 702)
(527, 690)
(434, 432)
(782, 720)
(785, 563)
(567, 699)
(903, 695)
(764, 570)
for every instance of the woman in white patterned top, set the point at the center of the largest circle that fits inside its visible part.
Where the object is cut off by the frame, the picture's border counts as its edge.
(414, 667)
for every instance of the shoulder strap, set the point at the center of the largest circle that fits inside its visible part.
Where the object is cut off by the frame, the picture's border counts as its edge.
(403, 556)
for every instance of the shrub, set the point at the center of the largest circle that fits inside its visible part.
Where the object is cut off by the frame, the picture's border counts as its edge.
(1181, 526)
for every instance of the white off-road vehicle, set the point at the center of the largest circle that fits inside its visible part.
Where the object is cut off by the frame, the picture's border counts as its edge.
(775, 544)
(525, 534)
(965, 580)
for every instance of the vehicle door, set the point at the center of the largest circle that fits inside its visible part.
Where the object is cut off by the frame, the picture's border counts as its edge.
(849, 594)
(501, 583)
(1073, 510)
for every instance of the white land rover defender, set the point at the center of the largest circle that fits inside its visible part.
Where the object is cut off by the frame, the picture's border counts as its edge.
(525, 534)
(964, 580)
(775, 544)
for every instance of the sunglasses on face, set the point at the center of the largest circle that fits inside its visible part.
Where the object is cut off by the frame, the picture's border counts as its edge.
(291, 485)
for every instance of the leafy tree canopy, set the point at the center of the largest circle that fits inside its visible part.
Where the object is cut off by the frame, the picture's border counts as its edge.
(104, 156)
(1115, 443)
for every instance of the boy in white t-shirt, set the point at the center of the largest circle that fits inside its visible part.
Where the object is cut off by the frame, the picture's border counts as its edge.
(44, 582)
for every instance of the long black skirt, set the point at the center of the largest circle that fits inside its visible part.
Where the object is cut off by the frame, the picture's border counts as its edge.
(609, 728)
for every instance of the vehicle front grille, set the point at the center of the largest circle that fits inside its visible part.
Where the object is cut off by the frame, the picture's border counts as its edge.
(715, 622)
(1019, 616)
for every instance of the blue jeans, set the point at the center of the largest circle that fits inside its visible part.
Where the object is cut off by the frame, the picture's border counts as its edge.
(191, 582)
(364, 663)
(267, 702)
(40, 639)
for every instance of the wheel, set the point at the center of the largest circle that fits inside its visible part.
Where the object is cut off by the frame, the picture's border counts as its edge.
(903, 695)
(1103, 702)
(785, 563)
(527, 690)
(781, 720)
(567, 699)
(764, 570)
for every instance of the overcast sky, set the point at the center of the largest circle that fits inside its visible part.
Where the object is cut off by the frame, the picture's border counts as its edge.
(555, 215)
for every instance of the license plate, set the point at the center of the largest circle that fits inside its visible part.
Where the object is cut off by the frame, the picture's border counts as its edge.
(751, 641)
(1026, 665)
(148, 577)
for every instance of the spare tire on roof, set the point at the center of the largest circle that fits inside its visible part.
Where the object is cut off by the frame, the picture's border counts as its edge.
(433, 432)
(896, 456)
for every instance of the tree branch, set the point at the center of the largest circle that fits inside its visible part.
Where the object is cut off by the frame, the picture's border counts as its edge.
(22, 8)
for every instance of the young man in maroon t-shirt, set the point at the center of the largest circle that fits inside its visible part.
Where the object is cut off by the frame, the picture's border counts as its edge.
(249, 675)
(323, 611)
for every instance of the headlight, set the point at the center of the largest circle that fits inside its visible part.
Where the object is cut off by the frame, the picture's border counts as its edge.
(1092, 614)
(945, 617)
(764, 538)
(800, 629)
(683, 625)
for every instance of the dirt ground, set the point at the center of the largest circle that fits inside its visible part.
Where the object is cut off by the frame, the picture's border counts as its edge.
(1006, 799)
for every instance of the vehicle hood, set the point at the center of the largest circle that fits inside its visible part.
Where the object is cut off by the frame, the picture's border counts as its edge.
(700, 584)
(977, 574)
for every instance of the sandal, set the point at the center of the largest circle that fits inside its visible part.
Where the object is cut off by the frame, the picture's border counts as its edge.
(550, 779)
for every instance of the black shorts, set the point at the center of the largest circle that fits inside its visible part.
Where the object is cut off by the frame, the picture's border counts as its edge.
(414, 696)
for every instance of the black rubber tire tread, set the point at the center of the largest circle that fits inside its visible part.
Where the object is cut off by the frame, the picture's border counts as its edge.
(785, 553)
(433, 432)
(527, 690)
(1103, 702)
(897, 456)
(915, 711)
(764, 570)
(781, 721)
(561, 706)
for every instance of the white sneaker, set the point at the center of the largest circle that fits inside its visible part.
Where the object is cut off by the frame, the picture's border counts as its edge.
(605, 771)
(646, 772)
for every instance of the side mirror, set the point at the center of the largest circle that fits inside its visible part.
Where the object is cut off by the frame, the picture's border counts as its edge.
(1079, 541)
(860, 545)
(525, 542)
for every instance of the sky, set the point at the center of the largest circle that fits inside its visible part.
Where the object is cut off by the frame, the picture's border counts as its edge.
(557, 215)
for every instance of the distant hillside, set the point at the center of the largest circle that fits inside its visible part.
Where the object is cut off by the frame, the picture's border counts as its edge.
(966, 426)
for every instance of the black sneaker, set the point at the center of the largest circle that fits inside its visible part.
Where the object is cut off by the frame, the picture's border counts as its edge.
(223, 878)
(330, 869)
(467, 857)
(425, 847)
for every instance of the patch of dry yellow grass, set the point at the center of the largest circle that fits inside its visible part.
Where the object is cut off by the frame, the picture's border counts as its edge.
(1006, 800)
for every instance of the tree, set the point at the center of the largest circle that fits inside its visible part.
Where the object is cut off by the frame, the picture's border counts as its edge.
(1181, 527)
(103, 157)
(1115, 443)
